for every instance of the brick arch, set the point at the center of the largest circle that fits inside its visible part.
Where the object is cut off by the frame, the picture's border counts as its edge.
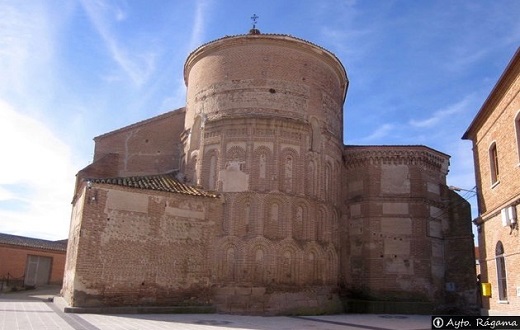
(274, 215)
(236, 154)
(260, 261)
(332, 265)
(322, 224)
(316, 135)
(336, 166)
(243, 216)
(262, 172)
(313, 264)
(290, 171)
(288, 263)
(311, 177)
(210, 169)
(334, 227)
(300, 220)
(229, 257)
(328, 180)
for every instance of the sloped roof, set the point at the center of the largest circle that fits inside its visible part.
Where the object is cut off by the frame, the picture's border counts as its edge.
(507, 77)
(163, 182)
(143, 122)
(37, 243)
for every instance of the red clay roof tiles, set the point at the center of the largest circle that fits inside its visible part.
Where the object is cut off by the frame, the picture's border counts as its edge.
(164, 182)
(29, 242)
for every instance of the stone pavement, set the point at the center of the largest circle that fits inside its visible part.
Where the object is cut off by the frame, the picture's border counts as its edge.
(35, 310)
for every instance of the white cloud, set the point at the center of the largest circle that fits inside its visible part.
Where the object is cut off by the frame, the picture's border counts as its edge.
(25, 30)
(36, 177)
(198, 24)
(5, 194)
(440, 115)
(138, 64)
(379, 133)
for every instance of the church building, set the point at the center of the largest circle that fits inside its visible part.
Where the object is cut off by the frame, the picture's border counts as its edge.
(247, 201)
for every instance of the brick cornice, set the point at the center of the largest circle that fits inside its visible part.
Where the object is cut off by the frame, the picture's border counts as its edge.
(396, 155)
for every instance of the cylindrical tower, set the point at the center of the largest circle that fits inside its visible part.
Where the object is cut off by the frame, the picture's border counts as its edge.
(271, 78)
(264, 127)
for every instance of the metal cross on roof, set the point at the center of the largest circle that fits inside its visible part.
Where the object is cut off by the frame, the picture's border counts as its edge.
(254, 18)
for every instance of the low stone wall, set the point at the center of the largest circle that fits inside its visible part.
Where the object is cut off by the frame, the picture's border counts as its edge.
(261, 301)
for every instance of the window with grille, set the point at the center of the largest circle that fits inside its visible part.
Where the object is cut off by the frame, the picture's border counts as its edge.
(493, 163)
(501, 271)
(517, 130)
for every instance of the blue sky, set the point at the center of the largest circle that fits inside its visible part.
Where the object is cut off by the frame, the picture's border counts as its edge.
(72, 70)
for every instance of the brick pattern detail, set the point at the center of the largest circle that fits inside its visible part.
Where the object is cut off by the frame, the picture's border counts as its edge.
(133, 248)
(399, 223)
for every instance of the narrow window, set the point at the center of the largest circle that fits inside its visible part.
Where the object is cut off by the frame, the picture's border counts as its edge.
(501, 271)
(493, 163)
(212, 172)
(517, 130)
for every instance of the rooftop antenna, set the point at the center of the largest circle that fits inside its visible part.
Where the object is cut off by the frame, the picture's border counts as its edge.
(254, 30)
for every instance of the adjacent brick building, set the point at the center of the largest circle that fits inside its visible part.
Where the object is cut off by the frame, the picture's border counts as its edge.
(495, 133)
(31, 261)
(247, 199)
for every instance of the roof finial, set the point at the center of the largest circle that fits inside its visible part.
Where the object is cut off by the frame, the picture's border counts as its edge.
(254, 30)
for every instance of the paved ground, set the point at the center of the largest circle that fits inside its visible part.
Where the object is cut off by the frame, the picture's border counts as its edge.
(34, 310)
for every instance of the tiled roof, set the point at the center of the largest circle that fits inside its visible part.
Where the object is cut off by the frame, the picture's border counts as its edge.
(164, 182)
(37, 243)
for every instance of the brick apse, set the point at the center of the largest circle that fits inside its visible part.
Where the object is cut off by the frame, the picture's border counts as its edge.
(248, 201)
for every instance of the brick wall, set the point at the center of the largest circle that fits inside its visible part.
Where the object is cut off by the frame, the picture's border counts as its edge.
(14, 261)
(268, 138)
(400, 235)
(294, 94)
(291, 78)
(149, 147)
(499, 128)
(497, 123)
(492, 232)
(137, 248)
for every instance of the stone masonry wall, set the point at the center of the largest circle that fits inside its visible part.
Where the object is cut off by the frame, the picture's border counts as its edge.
(136, 248)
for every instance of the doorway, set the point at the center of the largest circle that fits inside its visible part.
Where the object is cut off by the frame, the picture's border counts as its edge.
(37, 270)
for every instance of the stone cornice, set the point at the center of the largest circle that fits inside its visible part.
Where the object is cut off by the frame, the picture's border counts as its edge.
(396, 155)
